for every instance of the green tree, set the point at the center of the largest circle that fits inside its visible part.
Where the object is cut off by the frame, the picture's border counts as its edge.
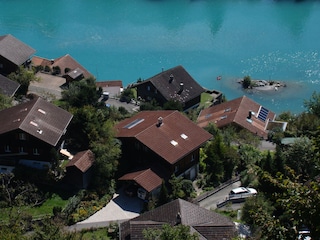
(173, 105)
(179, 232)
(313, 104)
(81, 93)
(5, 102)
(246, 83)
(164, 195)
(215, 151)
(23, 76)
(180, 187)
(301, 158)
(297, 204)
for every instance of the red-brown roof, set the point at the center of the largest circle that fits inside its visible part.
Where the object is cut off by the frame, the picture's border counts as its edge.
(82, 160)
(145, 178)
(38, 118)
(105, 84)
(176, 137)
(237, 111)
(63, 62)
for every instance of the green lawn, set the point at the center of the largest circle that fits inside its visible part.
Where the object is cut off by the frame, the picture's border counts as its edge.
(98, 234)
(206, 100)
(37, 212)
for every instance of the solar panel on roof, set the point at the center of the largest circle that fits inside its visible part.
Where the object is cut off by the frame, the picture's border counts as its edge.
(263, 114)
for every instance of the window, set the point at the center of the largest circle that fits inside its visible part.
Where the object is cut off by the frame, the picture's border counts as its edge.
(148, 88)
(1, 65)
(21, 150)
(176, 168)
(192, 158)
(22, 136)
(35, 151)
(7, 148)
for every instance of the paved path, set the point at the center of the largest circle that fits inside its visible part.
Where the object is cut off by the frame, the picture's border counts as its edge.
(119, 209)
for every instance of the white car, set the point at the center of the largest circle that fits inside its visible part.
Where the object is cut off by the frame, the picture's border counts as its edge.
(242, 191)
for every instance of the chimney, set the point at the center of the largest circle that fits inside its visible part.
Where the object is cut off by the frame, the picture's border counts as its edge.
(171, 78)
(178, 219)
(160, 119)
(250, 115)
(181, 87)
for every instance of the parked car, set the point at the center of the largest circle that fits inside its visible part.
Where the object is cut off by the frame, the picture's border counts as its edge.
(242, 191)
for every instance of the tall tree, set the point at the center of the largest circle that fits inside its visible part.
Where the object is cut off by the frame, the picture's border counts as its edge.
(313, 104)
(23, 76)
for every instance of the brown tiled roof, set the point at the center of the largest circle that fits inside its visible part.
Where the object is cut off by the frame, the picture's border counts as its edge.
(170, 89)
(14, 50)
(236, 111)
(82, 160)
(7, 86)
(114, 83)
(145, 178)
(176, 137)
(63, 62)
(190, 214)
(38, 118)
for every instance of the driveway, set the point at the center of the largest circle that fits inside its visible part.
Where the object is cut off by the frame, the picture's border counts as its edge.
(119, 209)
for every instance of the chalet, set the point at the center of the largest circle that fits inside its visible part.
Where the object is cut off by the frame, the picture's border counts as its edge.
(174, 84)
(31, 133)
(79, 169)
(7, 86)
(205, 223)
(166, 142)
(68, 67)
(13, 53)
(242, 113)
(110, 88)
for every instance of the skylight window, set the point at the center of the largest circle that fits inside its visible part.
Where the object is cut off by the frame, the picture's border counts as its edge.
(184, 136)
(34, 123)
(223, 117)
(41, 111)
(134, 123)
(174, 143)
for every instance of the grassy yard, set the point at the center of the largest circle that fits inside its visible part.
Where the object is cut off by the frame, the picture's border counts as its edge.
(206, 100)
(98, 234)
(36, 212)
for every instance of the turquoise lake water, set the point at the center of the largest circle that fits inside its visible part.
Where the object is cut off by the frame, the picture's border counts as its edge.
(131, 39)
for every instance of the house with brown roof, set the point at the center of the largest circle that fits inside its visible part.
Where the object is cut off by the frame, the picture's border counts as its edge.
(7, 86)
(166, 142)
(70, 69)
(31, 133)
(13, 53)
(110, 88)
(206, 224)
(79, 169)
(174, 84)
(243, 113)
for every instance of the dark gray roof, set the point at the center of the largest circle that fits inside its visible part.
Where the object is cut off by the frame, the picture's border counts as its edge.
(14, 50)
(170, 89)
(198, 218)
(191, 215)
(7, 86)
(38, 118)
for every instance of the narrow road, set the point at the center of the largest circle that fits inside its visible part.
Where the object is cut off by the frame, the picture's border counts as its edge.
(210, 203)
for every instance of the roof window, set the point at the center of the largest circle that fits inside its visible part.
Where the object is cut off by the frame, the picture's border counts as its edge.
(34, 123)
(41, 111)
(134, 123)
(174, 143)
(184, 136)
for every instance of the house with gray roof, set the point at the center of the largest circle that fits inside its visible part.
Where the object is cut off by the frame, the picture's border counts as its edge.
(174, 84)
(208, 225)
(32, 133)
(7, 86)
(13, 53)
